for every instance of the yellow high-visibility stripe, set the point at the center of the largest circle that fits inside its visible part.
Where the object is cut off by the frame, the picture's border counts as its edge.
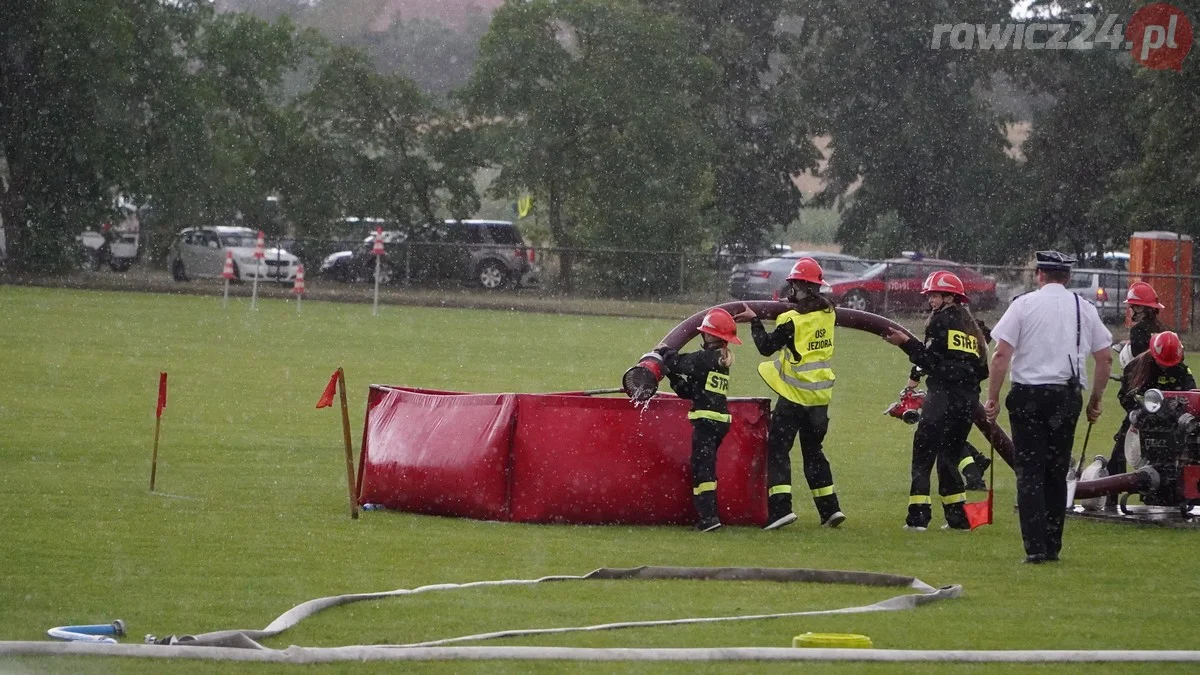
(966, 461)
(823, 492)
(705, 487)
(919, 499)
(710, 415)
(779, 490)
(954, 499)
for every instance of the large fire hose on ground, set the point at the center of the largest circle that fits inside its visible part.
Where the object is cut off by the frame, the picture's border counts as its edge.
(640, 382)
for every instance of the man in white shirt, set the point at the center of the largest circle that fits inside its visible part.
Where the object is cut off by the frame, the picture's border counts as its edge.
(1046, 335)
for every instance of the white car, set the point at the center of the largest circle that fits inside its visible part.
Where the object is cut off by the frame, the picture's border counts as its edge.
(200, 252)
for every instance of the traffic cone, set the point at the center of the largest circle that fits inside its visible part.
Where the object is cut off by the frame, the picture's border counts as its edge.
(298, 287)
(378, 248)
(258, 245)
(227, 272)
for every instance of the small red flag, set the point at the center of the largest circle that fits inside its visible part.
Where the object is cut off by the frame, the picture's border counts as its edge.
(980, 513)
(162, 394)
(330, 390)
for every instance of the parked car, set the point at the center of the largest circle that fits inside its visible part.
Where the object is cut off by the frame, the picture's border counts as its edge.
(1104, 288)
(895, 284)
(728, 255)
(490, 253)
(762, 279)
(199, 252)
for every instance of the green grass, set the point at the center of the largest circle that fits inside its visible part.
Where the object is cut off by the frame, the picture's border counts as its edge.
(257, 521)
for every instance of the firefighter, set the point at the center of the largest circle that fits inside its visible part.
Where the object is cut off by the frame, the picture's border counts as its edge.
(1160, 367)
(971, 462)
(1144, 306)
(802, 377)
(702, 377)
(954, 355)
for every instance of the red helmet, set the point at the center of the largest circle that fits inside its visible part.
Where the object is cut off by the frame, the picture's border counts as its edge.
(720, 324)
(807, 269)
(1166, 349)
(944, 282)
(1142, 293)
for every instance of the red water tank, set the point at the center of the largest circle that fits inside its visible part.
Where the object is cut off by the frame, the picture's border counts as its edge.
(1164, 260)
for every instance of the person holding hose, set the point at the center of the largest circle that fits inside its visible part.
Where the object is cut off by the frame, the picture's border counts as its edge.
(1160, 367)
(702, 377)
(954, 355)
(1144, 307)
(802, 377)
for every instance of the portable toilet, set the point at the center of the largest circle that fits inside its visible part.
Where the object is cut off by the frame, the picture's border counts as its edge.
(1164, 260)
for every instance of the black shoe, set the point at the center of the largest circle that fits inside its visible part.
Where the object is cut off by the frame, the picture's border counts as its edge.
(708, 524)
(1051, 557)
(774, 523)
(1034, 559)
(976, 485)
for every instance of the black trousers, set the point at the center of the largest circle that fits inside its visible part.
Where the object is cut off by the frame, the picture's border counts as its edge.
(810, 423)
(941, 437)
(1116, 462)
(706, 439)
(1043, 420)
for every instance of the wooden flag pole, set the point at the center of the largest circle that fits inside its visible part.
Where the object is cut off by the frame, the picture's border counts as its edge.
(154, 457)
(349, 451)
(162, 403)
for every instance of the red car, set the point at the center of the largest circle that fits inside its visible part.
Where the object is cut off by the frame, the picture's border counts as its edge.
(895, 285)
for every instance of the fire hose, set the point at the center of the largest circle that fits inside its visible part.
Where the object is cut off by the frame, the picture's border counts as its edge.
(640, 382)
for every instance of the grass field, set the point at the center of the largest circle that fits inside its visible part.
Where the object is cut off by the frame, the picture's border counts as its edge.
(257, 521)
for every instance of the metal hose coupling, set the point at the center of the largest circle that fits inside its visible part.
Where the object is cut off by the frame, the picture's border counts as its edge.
(640, 382)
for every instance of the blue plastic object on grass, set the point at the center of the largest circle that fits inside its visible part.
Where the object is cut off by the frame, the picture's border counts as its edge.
(96, 632)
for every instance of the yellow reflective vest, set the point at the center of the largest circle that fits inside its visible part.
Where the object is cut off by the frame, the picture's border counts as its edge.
(809, 380)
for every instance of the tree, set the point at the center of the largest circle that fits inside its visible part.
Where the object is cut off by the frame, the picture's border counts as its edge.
(150, 100)
(906, 120)
(755, 115)
(593, 106)
(372, 144)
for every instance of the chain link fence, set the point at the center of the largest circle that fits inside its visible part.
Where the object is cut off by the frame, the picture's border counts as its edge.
(888, 287)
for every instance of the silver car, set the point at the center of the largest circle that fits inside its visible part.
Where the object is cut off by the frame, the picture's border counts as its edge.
(760, 280)
(1103, 288)
(201, 252)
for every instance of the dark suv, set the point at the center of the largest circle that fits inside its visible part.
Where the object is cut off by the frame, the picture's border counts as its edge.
(490, 253)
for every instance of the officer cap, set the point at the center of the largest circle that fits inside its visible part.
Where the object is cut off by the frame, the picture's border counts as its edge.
(1053, 261)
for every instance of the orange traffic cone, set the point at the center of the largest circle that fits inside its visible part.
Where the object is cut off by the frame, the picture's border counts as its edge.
(298, 287)
(378, 248)
(227, 272)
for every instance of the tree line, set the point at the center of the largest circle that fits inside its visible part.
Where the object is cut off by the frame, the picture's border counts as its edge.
(653, 124)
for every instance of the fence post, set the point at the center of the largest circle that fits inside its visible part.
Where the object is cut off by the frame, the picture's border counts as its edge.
(682, 269)
(408, 263)
(1178, 281)
(887, 282)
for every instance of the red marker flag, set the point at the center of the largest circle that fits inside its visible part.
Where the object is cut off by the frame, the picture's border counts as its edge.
(162, 394)
(330, 389)
(980, 513)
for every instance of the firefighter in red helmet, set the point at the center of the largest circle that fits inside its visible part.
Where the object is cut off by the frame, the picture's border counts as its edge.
(1160, 367)
(802, 377)
(1144, 305)
(703, 378)
(954, 358)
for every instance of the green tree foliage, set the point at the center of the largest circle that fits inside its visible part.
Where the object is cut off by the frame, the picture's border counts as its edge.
(369, 144)
(204, 115)
(905, 119)
(593, 106)
(755, 114)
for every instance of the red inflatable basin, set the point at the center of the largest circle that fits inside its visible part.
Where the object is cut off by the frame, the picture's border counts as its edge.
(553, 458)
